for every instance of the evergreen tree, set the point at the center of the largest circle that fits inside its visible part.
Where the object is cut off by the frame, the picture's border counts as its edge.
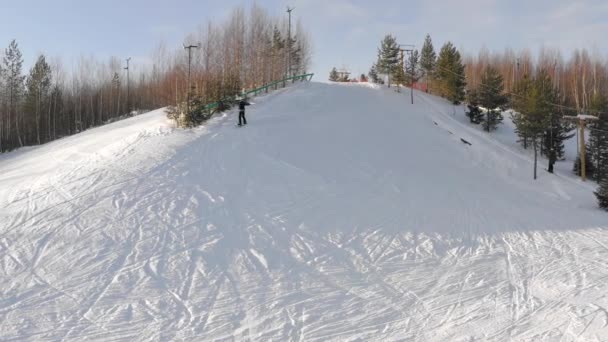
(428, 59)
(278, 43)
(56, 107)
(521, 91)
(549, 96)
(296, 57)
(602, 194)
(13, 63)
(38, 87)
(555, 136)
(399, 76)
(491, 97)
(363, 78)
(597, 147)
(278, 54)
(412, 74)
(532, 103)
(334, 76)
(388, 57)
(373, 74)
(475, 114)
(450, 74)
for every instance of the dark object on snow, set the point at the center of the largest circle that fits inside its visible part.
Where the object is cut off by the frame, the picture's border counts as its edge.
(466, 142)
(475, 114)
(242, 104)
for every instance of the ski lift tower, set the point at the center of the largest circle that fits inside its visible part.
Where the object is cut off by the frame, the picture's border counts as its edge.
(581, 120)
(409, 48)
(343, 74)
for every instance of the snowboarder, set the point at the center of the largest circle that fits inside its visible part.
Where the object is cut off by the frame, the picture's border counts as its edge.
(242, 103)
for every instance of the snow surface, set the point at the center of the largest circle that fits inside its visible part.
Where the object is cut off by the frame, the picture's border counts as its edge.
(339, 213)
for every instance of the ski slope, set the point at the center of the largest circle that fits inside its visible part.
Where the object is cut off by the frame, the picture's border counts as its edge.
(341, 212)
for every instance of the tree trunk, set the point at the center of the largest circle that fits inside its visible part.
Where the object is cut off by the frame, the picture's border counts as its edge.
(535, 157)
(38, 117)
(48, 121)
(488, 121)
(18, 131)
(551, 159)
(54, 116)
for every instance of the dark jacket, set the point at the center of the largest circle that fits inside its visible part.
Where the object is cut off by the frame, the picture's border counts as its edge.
(242, 105)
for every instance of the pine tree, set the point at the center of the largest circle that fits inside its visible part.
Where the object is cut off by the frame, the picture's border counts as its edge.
(412, 68)
(13, 63)
(428, 59)
(334, 76)
(38, 87)
(549, 96)
(532, 101)
(373, 74)
(597, 146)
(450, 74)
(558, 132)
(399, 76)
(602, 194)
(388, 57)
(522, 89)
(491, 97)
(475, 114)
(278, 54)
(278, 43)
(296, 57)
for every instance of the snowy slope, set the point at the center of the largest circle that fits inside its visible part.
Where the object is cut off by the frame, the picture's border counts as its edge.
(340, 213)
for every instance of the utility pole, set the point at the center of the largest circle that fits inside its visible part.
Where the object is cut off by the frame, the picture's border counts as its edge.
(128, 98)
(289, 42)
(581, 120)
(189, 48)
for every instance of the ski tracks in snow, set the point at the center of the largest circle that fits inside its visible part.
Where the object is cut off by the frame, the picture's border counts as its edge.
(291, 230)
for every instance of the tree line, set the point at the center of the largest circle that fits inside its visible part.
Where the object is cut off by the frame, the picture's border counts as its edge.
(444, 73)
(49, 101)
(540, 92)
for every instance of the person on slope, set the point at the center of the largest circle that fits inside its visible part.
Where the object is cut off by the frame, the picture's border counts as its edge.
(242, 103)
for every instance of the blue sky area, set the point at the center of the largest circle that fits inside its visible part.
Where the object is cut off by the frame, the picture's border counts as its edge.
(345, 33)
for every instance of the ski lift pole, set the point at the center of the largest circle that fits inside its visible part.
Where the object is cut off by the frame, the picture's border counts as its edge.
(581, 120)
(409, 49)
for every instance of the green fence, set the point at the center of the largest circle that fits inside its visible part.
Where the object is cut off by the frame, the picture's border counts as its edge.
(264, 89)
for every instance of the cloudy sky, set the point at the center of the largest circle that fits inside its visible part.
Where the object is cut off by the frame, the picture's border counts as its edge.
(345, 33)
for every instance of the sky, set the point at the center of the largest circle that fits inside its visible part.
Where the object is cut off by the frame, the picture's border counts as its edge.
(344, 33)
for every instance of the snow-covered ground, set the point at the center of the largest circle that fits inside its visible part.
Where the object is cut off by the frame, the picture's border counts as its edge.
(341, 212)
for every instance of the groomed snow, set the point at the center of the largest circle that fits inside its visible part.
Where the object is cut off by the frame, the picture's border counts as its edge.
(339, 213)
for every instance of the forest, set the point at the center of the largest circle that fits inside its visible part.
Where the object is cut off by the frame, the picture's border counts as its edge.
(50, 101)
(546, 95)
